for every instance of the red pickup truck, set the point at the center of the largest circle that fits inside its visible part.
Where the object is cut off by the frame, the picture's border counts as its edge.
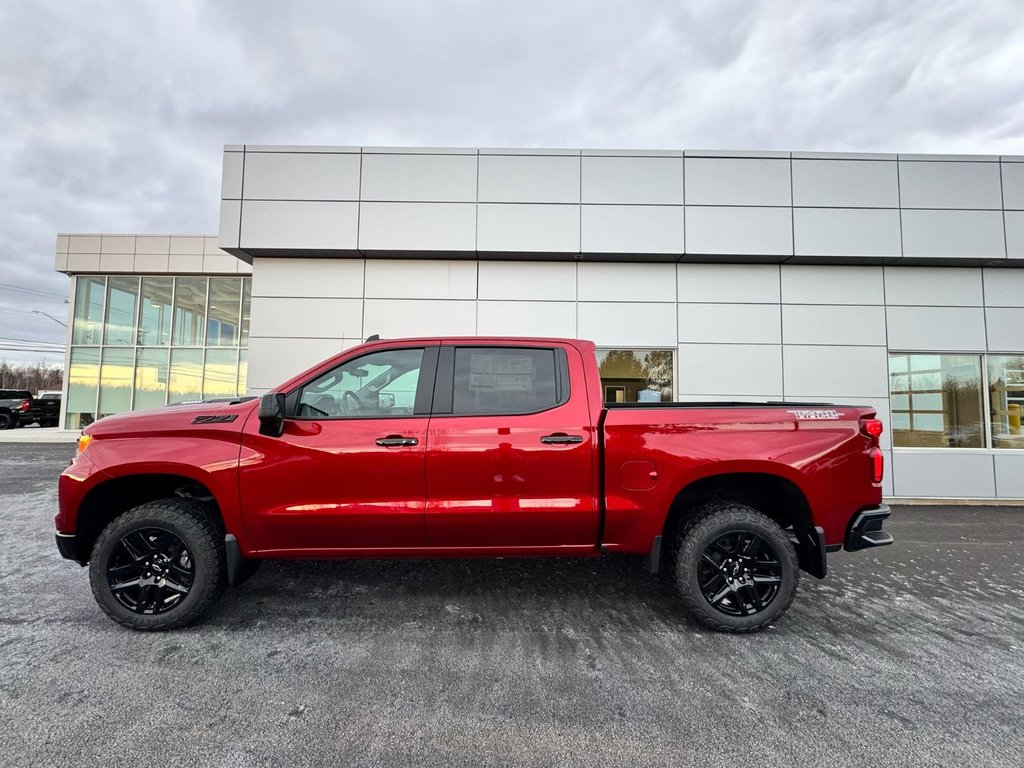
(451, 447)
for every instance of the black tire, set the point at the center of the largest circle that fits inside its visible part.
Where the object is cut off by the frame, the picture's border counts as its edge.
(735, 568)
(7, 421)
(165, 545)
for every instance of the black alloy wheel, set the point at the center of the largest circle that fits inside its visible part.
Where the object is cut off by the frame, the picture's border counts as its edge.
(160, 565)
(739, 574)
(150, 571)
(736, 569)
(6, 421)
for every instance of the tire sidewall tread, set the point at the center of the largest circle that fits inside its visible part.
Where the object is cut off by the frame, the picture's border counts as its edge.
(694, 535)
(191, 521)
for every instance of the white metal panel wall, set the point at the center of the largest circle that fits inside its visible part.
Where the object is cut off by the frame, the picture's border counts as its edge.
(740, 331)
(623, 205)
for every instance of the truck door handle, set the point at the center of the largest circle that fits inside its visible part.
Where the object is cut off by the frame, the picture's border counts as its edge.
(396, 440)
(560, 438)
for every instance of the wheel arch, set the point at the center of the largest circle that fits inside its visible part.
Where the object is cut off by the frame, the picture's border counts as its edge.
(111, 498)
(778, 497)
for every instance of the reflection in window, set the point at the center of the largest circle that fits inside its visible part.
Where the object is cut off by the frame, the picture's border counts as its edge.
(150, 378)
(116, 375)
(122, 295)
(936, 401)
(136, 320)
(155, 311)
(504, 380)
(246, 301)
(379, 384)
(83, 375)
(223, 316)
(636, 375)
(189, 312)
(88, 328)
(1006, 400)
(220, 373)
(243, 370)
(185, 381)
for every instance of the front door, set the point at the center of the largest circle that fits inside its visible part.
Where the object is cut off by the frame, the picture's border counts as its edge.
(510, 450)
(349, 470)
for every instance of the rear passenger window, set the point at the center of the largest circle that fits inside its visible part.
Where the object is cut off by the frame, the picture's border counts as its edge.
(506, 380)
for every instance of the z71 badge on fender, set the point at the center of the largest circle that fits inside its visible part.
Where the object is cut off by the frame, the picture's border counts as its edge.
(218, 419)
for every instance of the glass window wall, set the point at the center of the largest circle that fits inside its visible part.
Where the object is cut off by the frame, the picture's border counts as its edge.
(224, 314)
(936, 401)
(83, 383)
(144, 342)
(1006, 400)
(122, 297)
(88, 322)
(150, 378)
(636, 375)
(186, 377)
(116, 375)
(155, 311)
(189, 311)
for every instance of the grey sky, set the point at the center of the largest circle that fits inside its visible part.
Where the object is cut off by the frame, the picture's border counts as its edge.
(113, 114)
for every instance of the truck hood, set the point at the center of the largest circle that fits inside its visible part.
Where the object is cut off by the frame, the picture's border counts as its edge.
(226, 415)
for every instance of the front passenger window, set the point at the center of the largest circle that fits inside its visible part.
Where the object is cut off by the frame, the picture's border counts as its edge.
(379, 384)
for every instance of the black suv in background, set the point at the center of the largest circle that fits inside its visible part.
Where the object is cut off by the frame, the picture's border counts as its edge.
(15, 405)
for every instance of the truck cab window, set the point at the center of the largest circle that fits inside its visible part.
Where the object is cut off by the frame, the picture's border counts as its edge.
(505, 380)
(375, 385)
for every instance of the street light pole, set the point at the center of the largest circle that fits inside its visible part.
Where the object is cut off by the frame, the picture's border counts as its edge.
(40, 312)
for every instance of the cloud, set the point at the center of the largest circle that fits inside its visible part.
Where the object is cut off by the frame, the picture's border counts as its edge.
(114, 114)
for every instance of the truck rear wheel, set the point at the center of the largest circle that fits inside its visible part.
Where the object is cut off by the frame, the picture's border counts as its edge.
(735, 568)
(159, 566)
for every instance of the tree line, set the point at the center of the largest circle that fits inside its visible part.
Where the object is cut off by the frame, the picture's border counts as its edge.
(33, 377)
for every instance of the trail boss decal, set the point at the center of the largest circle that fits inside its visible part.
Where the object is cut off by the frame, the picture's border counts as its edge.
(818, 414)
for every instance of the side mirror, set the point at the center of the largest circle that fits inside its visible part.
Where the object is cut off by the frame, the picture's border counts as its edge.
(271, 414)
(385, 401)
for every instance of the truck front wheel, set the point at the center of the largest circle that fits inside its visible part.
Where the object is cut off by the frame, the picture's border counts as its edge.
(159, 566)
(735, 568)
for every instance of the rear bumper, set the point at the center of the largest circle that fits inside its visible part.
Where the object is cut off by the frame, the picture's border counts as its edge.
(865, 530)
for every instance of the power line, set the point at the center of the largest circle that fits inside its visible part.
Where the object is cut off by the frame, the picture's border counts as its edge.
(4, 339)
(9, 287)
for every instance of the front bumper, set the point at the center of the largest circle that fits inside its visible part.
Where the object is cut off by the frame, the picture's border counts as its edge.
(67, 545)
(865, 530)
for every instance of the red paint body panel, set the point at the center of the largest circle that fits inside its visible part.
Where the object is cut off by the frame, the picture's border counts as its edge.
(328, 485)
(491, 482)
(827, 461)
(475, 485)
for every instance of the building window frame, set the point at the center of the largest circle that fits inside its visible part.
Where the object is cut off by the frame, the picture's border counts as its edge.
(988, 443)
(673, 351)
(100, 346)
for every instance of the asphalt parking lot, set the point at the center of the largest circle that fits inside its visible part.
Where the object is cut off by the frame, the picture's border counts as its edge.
(911, 655)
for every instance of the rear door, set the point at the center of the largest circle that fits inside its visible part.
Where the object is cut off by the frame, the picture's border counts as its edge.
(510, 449)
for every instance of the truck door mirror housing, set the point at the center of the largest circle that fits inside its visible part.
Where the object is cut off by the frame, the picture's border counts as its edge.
(272, 414)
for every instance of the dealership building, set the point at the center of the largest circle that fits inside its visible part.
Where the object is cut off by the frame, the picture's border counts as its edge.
(894, 281)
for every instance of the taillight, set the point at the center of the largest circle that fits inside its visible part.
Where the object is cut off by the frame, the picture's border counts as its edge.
(872, 428)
